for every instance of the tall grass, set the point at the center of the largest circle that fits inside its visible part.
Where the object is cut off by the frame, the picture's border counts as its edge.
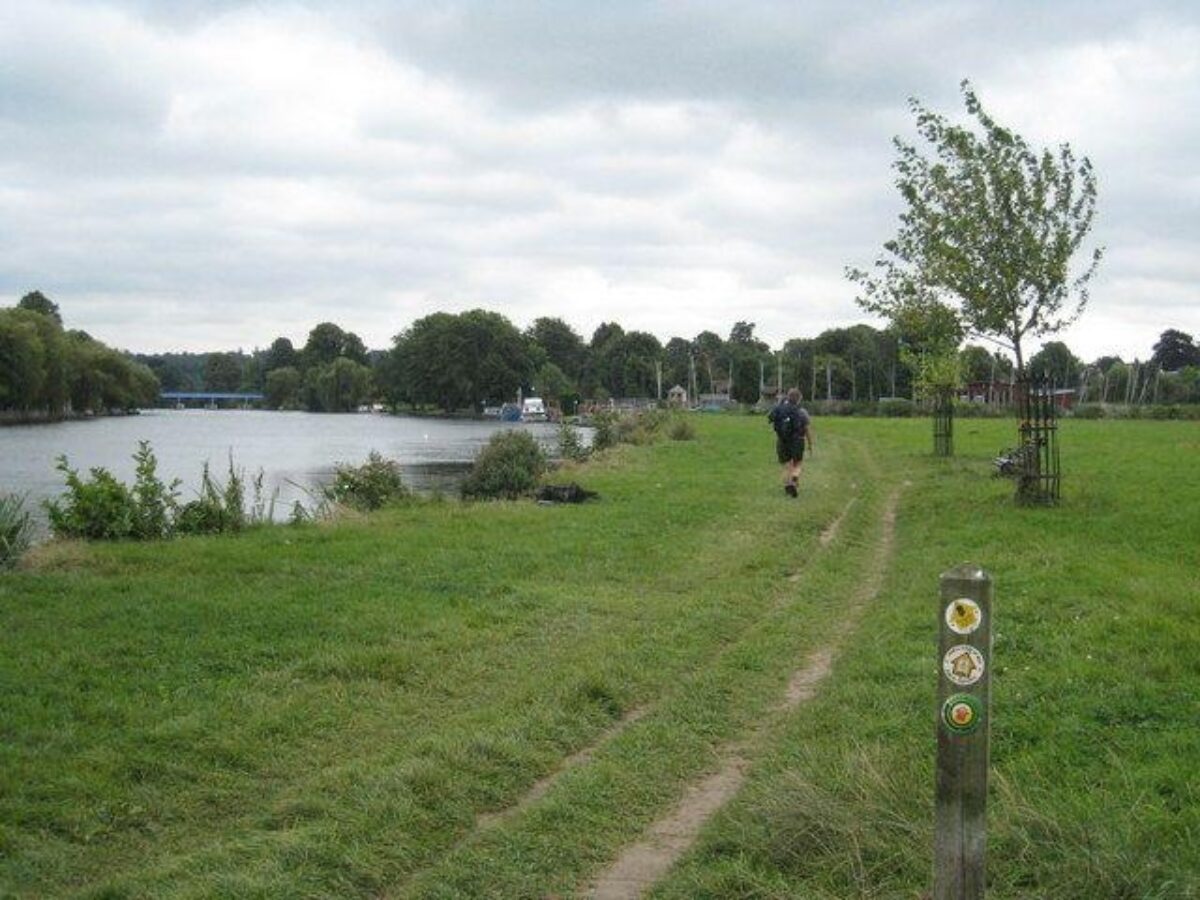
(327, 712)
(16, 529)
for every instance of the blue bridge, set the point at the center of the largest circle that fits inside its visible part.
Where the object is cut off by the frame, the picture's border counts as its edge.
(209, 397)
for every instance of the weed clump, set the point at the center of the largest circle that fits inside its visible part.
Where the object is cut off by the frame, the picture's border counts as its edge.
(681, 429)
(569, 445)
(16, 529)
(101, 507)
(641, 427)
(368, 486)
(508, 467)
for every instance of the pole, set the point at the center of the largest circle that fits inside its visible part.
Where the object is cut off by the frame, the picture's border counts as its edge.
(964, 613)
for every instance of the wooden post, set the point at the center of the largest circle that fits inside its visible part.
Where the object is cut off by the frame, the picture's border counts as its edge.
(963, 727)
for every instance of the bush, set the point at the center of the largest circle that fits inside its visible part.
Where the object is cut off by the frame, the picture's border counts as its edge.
(896, 408)
(372, 485)
(154, 503)
(101, 508)
(16, 529)
(605, 430)
(681, 429)
(1088, 411)
(218, 509)
(569, 445)
(508, 467)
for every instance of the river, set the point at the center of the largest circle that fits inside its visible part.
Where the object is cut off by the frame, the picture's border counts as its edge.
(295, 451)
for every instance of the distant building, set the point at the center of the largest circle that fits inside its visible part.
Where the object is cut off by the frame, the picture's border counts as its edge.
(677, 396)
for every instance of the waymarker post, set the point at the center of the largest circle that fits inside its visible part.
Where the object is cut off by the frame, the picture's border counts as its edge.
(963, 727)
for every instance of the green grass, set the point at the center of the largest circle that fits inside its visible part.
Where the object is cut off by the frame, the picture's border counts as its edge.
(1096, 693)
(325, 711)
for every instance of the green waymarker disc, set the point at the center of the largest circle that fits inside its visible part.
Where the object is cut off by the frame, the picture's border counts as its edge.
(962, 713)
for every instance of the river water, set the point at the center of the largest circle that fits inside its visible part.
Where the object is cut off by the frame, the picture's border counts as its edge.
(295, 451)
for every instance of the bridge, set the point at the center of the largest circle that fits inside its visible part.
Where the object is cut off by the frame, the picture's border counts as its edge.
(208, 397)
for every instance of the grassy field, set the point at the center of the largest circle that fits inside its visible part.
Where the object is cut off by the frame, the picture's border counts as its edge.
(334, 711)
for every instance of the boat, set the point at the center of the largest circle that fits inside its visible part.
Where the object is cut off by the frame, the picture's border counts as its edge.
(533, 410)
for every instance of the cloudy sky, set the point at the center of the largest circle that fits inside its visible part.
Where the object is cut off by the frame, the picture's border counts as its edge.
(200, 175)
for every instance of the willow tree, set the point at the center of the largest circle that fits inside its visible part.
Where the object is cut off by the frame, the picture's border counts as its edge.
(991, 228)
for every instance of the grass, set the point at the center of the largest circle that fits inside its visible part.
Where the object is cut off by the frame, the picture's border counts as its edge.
(326, 711)
(1096, 694)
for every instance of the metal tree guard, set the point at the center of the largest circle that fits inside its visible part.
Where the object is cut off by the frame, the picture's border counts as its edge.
(943, 424)
(1039, 478)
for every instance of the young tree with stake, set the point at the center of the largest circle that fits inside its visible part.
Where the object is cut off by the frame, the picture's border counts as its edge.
(990, 230)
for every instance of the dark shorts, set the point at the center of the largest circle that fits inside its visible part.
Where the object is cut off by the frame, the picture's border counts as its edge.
(789, 451)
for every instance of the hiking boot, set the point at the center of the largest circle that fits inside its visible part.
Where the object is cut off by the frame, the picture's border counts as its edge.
(791, 491)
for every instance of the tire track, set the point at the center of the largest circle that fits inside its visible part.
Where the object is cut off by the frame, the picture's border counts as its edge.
(645, 862)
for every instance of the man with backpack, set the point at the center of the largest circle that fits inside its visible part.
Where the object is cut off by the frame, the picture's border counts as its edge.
(793, 427)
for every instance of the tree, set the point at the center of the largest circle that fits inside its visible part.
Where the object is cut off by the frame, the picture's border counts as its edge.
(1056, 363)
(327, 341)
(458, 361)
(563, 346)
(22, 363)
(976, 363)
(990, 230)
(708, 349)
(280, 354)
(340, 386)
(222, 372)
(677, 356)
(1175, 350)
(746, 358)
(36, 301)
(282, 388)
(552, 383)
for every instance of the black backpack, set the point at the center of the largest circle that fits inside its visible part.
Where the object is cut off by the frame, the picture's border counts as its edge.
(786, 419)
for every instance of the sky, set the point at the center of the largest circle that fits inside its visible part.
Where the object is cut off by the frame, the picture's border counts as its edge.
(198, 175)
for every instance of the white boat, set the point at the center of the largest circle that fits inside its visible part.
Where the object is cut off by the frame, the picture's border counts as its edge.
(533, 410)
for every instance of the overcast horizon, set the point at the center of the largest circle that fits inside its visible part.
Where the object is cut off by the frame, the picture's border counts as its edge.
(201, 176)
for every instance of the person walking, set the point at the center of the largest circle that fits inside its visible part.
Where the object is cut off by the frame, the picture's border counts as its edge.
(793, 429)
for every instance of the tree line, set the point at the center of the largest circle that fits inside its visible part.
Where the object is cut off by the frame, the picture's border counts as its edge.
(49, 372)
(470, 360)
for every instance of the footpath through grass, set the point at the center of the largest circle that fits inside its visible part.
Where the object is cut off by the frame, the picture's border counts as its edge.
(1095, 791)
(328, 711)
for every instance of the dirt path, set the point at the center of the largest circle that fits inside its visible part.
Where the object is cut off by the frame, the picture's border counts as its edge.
(542, 786)
(642, 864)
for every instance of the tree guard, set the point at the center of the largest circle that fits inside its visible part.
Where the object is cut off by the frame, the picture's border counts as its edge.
(943, 424)
(1039, 476)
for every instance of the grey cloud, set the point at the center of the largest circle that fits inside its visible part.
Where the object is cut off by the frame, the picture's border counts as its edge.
(672, 166)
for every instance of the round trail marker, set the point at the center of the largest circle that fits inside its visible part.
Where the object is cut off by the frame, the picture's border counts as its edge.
(962, 713)
(963, 665)
(963, 615)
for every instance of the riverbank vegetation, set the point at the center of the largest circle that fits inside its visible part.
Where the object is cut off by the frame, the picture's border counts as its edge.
(48, 373)
(16, 529)
(98, 506)
(461, 363)
(369, 708)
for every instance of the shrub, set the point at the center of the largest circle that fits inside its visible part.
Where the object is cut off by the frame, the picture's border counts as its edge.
(371, 485)
(154, 503)
(569, 445)
(605, 433)
(681, 429)
(509, 466)
(101, 508)
(1088, 411)
(16, 529)
(896, 407)
(219, 508)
